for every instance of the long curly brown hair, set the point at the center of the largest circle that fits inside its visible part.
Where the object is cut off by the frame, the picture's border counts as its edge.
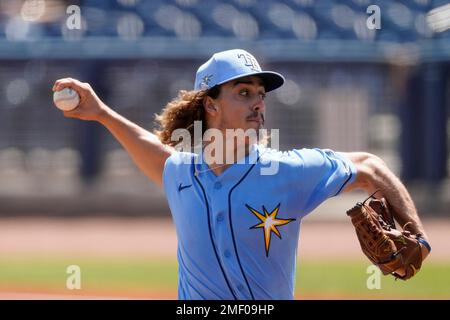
(181, 112)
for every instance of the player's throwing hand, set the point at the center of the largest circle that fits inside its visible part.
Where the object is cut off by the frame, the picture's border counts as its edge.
(90, 106)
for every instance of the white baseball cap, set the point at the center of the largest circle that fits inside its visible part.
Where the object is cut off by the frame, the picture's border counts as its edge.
(229, 65)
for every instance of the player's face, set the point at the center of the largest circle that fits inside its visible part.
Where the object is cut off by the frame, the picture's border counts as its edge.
(241, 104)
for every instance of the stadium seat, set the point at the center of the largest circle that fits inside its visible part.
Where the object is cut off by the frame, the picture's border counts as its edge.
(402, 20)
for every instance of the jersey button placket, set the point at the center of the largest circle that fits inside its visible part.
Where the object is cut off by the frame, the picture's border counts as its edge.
(220, 217)
(218, 185)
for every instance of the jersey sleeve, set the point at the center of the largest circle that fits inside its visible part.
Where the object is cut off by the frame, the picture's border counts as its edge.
(177, 164)
(323, 174)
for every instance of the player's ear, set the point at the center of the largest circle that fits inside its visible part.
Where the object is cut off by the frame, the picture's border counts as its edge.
(210, 105)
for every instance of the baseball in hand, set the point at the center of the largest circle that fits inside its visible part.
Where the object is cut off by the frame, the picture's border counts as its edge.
(67, 99)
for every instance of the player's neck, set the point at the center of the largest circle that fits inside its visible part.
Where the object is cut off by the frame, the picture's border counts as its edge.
(218, 163)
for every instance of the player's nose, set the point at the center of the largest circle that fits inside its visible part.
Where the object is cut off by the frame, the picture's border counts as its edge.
(259, 105)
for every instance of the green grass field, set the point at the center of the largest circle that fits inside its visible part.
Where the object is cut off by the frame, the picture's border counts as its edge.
(315, 280)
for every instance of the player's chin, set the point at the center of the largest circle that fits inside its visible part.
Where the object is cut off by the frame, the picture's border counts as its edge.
(255, 124)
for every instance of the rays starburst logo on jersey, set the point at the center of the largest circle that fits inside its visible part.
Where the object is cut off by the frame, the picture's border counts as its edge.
(269, 223)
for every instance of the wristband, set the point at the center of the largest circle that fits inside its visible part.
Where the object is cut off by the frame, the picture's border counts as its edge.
(425, 243)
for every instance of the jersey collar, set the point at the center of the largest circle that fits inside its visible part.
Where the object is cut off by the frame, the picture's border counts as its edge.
(235, 171)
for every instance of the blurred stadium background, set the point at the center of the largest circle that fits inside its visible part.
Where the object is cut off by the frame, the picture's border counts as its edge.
(348, 88)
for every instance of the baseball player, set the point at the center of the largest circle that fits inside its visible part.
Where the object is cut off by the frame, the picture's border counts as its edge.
(237, 228)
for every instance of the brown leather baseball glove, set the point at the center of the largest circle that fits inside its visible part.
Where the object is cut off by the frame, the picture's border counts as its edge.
(388, 248)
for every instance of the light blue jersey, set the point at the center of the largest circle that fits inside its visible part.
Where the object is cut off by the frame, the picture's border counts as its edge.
(238, 232)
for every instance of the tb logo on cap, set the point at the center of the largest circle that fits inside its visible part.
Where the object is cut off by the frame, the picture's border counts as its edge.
(249, 61)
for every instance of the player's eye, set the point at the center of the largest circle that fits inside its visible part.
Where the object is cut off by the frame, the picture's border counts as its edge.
(262, 95)
(244, 92)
